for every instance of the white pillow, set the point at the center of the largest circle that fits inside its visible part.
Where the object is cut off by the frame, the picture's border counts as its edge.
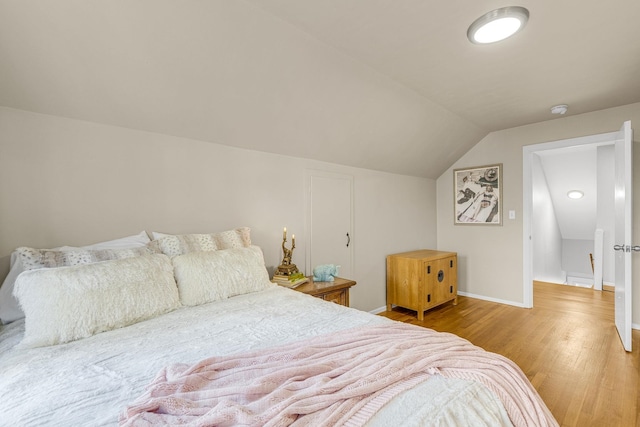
(44, 258)
(155, 235)
(204, 277)
(69, 303)
(10, 309)
(135, 241)
(173, 246)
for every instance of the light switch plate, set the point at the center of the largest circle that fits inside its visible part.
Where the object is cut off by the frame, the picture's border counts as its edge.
(512, 214)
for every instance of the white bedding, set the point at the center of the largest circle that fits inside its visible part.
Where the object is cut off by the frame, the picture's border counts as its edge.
(88, 382)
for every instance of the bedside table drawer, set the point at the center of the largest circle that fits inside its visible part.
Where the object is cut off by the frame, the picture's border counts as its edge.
(339, 297)
(336, 291)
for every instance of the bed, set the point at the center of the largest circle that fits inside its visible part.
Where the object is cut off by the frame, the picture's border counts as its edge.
(189, 330)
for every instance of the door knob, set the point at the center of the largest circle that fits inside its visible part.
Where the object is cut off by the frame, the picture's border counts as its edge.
(635, 248)
(618, 247)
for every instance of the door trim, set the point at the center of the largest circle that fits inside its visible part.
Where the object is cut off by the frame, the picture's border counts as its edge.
(309, 174)
(527, 198)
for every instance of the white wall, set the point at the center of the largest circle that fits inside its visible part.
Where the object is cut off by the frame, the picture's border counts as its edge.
(491, 258)
(575, 257)
(71, 182)
(547, 240)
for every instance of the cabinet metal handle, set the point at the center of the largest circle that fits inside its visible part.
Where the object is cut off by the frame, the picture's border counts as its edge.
(348, 239)
(618, 247)
(635, 248)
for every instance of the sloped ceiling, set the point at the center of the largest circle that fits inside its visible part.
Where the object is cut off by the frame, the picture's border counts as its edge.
(386, 85)
(573, 169)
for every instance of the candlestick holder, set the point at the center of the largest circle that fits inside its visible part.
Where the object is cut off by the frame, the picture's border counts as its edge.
(287, 268)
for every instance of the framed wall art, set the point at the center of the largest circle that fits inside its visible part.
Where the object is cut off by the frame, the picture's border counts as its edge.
(477, 195)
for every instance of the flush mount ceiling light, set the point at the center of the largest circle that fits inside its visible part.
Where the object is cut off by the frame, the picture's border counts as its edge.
(575, 194)
(559, 109)
(498, 24)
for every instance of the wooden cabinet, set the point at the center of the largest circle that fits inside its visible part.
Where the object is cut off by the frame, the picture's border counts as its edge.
(420, 280)
(336, 291)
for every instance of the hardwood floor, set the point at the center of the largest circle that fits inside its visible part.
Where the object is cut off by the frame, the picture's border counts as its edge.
(567, 345)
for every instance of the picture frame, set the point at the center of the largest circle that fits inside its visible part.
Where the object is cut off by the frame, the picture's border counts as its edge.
(477, 195)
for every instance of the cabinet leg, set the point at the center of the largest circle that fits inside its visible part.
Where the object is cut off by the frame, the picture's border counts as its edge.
(455, 301)
(420, 315)
(389, 307)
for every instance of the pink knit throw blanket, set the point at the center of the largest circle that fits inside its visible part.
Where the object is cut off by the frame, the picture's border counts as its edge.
(337, 379)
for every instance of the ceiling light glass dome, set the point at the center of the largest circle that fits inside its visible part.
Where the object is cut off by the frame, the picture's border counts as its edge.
(575, 194)
(498, 24)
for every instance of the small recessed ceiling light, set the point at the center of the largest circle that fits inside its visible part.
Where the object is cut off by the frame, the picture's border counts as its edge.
(575, 194)
(498, 24)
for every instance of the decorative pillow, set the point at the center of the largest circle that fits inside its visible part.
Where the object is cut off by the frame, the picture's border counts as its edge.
(10, 309)
(68, 303)
(155, 235)
(210, 276)
(134, 241)
(44, 258)
(172, 246)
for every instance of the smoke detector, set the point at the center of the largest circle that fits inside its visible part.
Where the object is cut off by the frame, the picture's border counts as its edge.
(559, 109)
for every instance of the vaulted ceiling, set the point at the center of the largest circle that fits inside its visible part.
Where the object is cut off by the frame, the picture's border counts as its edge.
(385, 85)
(574, 168)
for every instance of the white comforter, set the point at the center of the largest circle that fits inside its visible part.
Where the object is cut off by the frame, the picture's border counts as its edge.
(89, 382)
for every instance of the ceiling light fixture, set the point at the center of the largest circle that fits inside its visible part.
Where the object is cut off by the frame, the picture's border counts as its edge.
(498, 25)
(559, 109)
(575, 194)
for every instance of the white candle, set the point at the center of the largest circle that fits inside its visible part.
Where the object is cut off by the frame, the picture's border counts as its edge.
(284, 234)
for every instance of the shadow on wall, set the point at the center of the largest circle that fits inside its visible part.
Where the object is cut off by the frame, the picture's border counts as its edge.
(4, 267)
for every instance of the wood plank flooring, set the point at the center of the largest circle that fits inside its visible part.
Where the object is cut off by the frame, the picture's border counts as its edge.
(567, 345)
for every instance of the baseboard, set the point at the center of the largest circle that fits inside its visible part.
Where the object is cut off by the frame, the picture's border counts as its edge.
(378, 310)
(464, 294)
(484, 298)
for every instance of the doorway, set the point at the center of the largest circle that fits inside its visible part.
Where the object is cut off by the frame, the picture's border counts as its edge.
(572, 219)
(531, 159)
(329, 221)
(623, 142)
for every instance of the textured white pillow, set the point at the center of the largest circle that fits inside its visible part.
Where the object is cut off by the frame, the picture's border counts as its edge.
(10, 309)
(68, 303)
(155, 235)
(173, 246)
(44, 258)
(210, 276)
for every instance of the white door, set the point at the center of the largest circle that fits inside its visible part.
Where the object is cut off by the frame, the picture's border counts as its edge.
(329, 221)
(623, 248)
